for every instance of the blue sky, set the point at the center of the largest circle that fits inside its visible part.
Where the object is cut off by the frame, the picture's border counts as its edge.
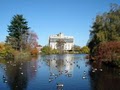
(47, 17)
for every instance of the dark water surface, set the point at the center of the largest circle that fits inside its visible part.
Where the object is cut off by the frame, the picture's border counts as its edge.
(46, 72)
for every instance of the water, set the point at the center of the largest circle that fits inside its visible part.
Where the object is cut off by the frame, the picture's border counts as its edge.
(48, 72)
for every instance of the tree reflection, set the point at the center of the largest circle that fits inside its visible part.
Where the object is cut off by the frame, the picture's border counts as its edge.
(108, 79)
(17, 80)
(18, 74)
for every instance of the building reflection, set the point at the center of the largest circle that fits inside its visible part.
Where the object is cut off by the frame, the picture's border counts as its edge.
(68, 61)
(61, 64)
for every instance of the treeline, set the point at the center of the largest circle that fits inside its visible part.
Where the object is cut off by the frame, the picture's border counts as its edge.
(20, 39)
(75, 50)
(104, 42)
(80, 50)
(60, 43)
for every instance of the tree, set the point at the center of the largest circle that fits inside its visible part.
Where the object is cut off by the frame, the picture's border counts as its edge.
(60, 45)
(32, 43)
(18, 32)
(46, 50)
(32, 40)
(76, 48)
(85, 50)
(105, 28)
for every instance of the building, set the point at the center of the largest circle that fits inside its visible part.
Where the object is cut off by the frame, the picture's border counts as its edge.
(69, 41)
(39, 47)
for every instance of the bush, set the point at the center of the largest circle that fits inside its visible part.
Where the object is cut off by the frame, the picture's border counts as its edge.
(54, 51)
(109, 51)
(46, 50)
(34, 51)
(85, 49)
(6, 51)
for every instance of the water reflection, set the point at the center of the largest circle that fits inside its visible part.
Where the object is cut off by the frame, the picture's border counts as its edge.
(18, 73)
(104, 78)
(60, 63)
(57, 72)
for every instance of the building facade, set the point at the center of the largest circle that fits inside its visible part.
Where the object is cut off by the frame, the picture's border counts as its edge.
(39, 47)
(69, 41)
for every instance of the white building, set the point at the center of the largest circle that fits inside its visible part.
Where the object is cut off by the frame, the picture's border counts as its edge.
(69, 41)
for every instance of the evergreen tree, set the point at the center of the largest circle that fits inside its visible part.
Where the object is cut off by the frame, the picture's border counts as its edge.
(18, 32)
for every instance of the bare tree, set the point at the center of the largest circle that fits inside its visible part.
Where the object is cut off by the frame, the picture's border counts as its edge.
(60, 45)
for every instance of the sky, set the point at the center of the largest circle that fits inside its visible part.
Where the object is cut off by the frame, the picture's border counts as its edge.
(49, 17)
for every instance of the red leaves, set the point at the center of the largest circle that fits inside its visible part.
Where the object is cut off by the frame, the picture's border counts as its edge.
(108, 51)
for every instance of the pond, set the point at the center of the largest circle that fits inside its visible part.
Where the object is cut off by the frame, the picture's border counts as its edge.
(58, 72)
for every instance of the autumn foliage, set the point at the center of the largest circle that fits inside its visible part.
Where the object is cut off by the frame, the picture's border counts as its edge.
(34, 51)
(104, 42)
(108, 51)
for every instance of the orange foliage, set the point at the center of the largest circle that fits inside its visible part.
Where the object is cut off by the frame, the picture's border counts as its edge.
(34, 51)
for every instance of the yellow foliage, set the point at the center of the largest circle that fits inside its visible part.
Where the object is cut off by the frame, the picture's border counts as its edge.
(2, 47)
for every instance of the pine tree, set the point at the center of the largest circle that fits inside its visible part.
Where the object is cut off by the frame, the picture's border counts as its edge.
(18, 32)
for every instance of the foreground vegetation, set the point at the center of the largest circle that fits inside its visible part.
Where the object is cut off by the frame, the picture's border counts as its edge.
(104, 40)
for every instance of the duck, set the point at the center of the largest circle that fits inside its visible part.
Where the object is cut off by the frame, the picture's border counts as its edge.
(21, 64)
(56, 76)
(3, 77)
(21, 73)
(69, 75)
(52, 74)
(66, 71)
(93, 70)
(84, 72)
(60, 85)
(33, 66)
(35, 70)
(50, 79)
(83, 77)
(5, 81)
(79, 67)
(101, 70)
(20, 68)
